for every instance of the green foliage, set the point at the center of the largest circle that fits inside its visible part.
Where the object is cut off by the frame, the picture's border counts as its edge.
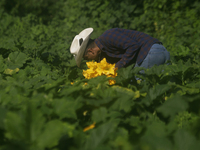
(40, 108)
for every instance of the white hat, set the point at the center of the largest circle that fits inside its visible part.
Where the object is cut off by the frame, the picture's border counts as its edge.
(79, 44)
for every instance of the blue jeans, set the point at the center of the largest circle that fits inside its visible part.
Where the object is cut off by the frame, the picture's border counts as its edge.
(157, 55)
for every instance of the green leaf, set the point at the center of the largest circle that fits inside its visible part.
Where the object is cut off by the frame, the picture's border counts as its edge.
(126, 91)
(124, 103)
(16, 60)
(114, 114)
(30, 44)
(185, 141)
(8, 43)
(52, 133)
(99, 135)
(99, 114)
(98, 80)
(2, 65)
(187, 89)
(135, 122)
(173, 106)
(14, 130)
(155, 93)
(27, 127)
(66, 108)
(125, 75)
(155, 137)
(3, 113)
(121, 140)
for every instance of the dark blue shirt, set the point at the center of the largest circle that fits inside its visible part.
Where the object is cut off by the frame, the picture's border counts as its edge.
(124, 47)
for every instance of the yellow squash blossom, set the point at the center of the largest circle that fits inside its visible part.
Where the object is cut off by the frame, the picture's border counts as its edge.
(111, 82)
(101, 68)
(89, 127)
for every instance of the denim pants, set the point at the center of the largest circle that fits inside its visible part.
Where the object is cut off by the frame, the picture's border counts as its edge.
(157, 55)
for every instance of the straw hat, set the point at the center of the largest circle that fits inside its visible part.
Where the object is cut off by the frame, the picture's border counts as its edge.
(79, 44)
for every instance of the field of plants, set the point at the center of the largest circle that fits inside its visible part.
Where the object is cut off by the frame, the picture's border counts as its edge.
(46, 102)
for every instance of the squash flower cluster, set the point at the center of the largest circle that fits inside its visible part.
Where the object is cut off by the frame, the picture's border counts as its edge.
(101, 68)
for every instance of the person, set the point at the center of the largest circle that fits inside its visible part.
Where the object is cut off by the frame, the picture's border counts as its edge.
(120, 46)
